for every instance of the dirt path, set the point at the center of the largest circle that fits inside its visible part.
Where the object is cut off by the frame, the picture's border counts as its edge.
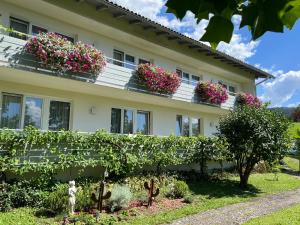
(242, 212)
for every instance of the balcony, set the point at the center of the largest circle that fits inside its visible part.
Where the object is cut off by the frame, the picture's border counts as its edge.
(114, 75)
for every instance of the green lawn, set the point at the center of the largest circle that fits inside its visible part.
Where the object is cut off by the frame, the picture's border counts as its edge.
(292, 163)
(288, 216)
(293, 130)
(208, 195)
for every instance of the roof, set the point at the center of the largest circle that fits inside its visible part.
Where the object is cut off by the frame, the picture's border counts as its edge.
(160, 30)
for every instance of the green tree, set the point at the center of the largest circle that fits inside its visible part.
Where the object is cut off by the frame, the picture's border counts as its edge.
(259, 16)
(254, 134)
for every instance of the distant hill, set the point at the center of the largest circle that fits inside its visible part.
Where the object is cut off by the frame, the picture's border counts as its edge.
(287, 111)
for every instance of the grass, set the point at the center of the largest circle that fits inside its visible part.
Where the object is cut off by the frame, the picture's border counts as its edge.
(288, 216)
(208, 195)
(293, 130)
(292, 162)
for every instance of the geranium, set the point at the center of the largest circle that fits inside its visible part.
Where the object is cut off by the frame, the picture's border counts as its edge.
(211, 93)
(57, 53)
(157, 79)
(248, 99)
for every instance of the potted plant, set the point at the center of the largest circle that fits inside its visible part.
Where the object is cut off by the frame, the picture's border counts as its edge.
(211, 93)
(248, 99)
(156, 79)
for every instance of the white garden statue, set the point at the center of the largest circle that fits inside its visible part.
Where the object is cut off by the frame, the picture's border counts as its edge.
(72, 197)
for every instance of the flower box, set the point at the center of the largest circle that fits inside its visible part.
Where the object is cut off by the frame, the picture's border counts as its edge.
(156, 79)
(248, 99)
(59, 54)
(211, 93)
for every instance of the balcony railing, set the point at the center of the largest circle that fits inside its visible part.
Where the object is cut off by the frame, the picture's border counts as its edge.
(117, 74)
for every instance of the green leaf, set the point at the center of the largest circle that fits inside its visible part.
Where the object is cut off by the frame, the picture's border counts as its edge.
(291, 13)
(219, 29)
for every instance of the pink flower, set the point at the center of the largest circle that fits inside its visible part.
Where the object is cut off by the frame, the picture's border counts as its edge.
(248, 99)
(211, 93)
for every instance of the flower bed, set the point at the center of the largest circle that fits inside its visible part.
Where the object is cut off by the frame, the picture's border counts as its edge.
(211, 93)
(248, 99)
(57, 53)
(157, 79)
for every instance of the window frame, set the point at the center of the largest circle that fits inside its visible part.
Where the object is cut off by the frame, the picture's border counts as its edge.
(45, 107)
(189, 81)
(228, 86)
(24, 22)
(135, 111)
(190, 118)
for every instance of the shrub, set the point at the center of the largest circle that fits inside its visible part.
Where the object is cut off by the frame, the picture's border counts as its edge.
(211, 93)
(178, 189)
(83, 197)
(57, 200)
(188, 198)
(157, 79)
(120, 197)
(56, 52)
(5, 201)
(248, 99)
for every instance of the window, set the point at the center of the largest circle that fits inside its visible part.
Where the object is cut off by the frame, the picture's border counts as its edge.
(230, 88)
(143, 122)
(186, 126)
(128, 122)
(129, 62)
(185, 78)
(195, 79)
(37, 30)
(144, 61)
(71, 39)
(11, 112)
(179, 73)
(118, 58)
(20, 26)
(195, 126)
(115, 121)
(59, 116)
(33, 112)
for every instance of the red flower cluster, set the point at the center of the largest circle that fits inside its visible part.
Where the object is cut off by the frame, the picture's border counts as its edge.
(58, 53)
(211, 93)
(157, 79)
(248, 99)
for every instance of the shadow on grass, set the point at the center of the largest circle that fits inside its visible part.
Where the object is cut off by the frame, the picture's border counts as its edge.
(45, 213)
(222, 188)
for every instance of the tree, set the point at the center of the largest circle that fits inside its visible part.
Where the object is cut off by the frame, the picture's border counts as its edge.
(296, 114)
(254, 134)
(259, 16)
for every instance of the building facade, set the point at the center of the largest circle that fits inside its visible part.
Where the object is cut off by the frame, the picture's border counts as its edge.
(33, 95)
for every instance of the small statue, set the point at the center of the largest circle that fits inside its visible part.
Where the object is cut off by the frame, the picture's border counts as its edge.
(72, 197)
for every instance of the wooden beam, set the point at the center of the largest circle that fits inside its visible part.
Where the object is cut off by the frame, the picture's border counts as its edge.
(158, 33)
(148, 27)
(135, 21)
(119, 15)
(79, 1)
(101, 7)
(173, 38)
(194, 46)
(183, 42)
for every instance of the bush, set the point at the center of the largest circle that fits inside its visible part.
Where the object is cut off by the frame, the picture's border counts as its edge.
(178, 190)
(57, 200)
(188, 198)
(83, 197)
(120, 197)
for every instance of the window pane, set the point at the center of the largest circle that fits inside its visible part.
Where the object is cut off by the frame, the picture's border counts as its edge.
(232, 90)
(119, 56)
(59, 116)
(179, 72)
(178, 125)
(128, 122)
(67, 37)
(195, 79)
(33, 112)
(143, 61)
(143, 122)
(185, 78)
(186, 126)
(36, 30)
(130, 60)
(11, 111)
(20, 26)
(195, 127)
(115, 121)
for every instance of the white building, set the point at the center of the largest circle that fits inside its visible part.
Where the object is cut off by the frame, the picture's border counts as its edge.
(33, 95)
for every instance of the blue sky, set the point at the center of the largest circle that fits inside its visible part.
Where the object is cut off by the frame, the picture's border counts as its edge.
(276, 53)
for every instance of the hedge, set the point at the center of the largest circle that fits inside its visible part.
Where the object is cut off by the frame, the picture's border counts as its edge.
(48, 151)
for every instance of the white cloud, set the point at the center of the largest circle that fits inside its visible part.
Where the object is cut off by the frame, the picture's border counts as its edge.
(154, 10)
(282, 89)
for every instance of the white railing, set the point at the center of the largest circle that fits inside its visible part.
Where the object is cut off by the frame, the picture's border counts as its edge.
(117, 74)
